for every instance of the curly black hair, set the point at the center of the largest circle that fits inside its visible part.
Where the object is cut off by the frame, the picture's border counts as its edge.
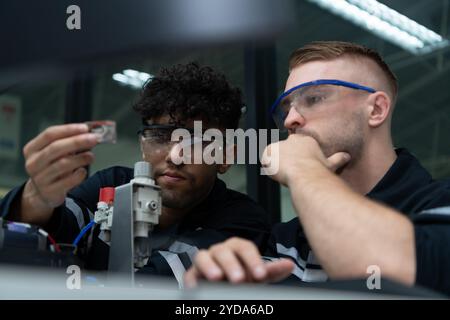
(188, 91)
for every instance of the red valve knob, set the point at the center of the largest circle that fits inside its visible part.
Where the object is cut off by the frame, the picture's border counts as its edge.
(107, 195)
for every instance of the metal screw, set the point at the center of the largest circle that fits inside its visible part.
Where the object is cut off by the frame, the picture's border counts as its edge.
(152, 205)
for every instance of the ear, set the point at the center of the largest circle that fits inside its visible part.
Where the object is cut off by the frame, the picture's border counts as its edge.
(142, 149)
(379, 108)
(222, 168)
(229, 151)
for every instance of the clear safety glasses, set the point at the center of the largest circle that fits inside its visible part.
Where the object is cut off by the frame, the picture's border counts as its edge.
(307, 96)
(161, 138)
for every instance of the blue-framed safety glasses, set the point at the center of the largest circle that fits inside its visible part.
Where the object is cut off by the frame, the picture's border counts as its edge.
(307, 95)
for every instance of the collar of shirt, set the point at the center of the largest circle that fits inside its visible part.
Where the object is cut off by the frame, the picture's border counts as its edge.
(404, 184)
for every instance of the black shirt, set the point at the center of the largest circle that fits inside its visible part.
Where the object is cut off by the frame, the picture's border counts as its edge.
(406, 187)
(223, 214)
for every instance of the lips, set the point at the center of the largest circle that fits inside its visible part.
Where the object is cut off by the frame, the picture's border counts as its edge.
(171, 176)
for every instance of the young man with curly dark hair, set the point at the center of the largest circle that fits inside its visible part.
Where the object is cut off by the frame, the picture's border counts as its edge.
(198, 210)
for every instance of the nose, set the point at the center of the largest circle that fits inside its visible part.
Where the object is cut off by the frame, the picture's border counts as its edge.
(174, 155)
(293, 120)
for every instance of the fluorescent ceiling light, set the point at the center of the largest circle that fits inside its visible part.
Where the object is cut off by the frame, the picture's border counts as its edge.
(386, 23)
(132, 78)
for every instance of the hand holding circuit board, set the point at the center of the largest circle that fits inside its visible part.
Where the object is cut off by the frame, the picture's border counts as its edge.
(56, 161)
